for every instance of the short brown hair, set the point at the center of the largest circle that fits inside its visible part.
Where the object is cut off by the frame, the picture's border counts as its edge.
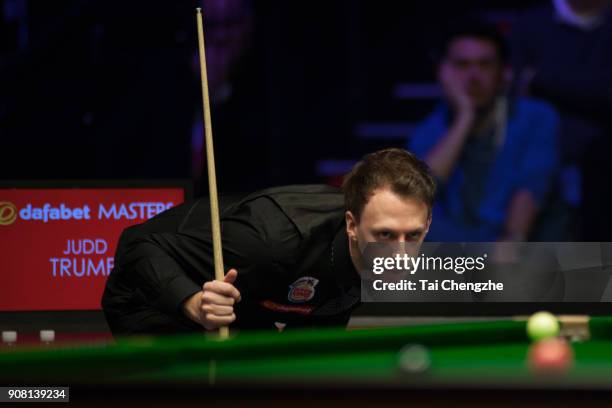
(397, 169)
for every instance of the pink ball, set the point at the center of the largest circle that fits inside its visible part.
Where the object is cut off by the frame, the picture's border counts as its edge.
(552, 355)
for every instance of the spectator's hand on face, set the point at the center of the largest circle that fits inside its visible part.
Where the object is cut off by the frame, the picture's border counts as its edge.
(454, 90)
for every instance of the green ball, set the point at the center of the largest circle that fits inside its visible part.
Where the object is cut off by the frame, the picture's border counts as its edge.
(542, 325)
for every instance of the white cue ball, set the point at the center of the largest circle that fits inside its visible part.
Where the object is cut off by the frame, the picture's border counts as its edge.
(47, 336)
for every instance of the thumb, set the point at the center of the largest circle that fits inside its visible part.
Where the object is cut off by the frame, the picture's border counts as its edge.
(231, 276)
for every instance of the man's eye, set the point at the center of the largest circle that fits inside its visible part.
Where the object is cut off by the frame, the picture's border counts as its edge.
(384, 235)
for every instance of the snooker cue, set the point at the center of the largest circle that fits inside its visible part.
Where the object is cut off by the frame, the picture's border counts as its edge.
(210, 160)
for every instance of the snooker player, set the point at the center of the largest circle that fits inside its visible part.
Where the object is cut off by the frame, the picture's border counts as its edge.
(291, 253)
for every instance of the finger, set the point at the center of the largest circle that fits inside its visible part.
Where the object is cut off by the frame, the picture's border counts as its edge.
(209, 297)
(220, 320)
(219, 310)
(222, 288)
(231, 276)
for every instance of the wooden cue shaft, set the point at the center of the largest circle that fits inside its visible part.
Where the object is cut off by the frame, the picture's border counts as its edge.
(210, 159)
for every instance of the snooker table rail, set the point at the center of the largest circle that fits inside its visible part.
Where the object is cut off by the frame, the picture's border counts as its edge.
(473, 354)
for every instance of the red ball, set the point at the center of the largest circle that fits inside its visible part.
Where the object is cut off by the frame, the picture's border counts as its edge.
(552, 355)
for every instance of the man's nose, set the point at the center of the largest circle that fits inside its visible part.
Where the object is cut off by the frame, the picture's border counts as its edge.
(401, 245)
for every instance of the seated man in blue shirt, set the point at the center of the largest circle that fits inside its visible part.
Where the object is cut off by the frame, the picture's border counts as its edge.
(495, 158)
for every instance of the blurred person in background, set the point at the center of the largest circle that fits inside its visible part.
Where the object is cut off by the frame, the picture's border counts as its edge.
(495, 157)
(563, 54)
(235, 81)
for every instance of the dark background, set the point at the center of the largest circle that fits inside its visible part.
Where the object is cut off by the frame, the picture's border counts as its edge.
(110, 89)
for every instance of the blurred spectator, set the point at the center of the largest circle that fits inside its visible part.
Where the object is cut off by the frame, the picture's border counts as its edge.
(563, 53)
(495, 158)
(235, 82)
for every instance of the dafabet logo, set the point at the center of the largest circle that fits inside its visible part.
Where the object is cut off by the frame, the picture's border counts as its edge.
(62, 212)
(8, 213)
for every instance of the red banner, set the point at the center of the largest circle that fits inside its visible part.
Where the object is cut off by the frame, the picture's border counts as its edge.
(57, 245)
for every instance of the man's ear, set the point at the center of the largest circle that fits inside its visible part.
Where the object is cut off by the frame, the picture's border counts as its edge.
(428, 224)
(351, 225)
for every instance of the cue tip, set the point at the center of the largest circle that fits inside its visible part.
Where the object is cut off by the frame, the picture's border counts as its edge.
(199, 10)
